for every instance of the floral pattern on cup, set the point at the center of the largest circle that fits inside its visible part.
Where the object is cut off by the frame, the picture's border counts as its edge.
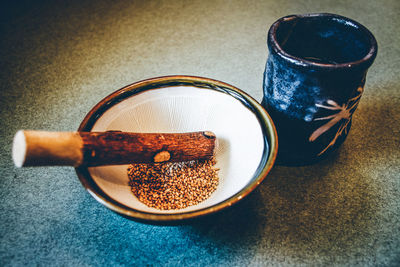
(343, 116)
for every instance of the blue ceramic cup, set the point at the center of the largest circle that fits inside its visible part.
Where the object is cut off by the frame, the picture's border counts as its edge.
(313, 81)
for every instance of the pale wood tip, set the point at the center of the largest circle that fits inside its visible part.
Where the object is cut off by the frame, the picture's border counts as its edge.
(19, 149)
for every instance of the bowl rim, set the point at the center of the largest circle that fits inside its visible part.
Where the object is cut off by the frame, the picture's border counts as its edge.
(266, 163)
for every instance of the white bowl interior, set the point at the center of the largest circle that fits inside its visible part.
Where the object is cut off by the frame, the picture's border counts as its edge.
(186, 109)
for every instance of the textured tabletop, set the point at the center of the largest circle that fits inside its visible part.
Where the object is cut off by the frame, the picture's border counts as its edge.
(59, 58)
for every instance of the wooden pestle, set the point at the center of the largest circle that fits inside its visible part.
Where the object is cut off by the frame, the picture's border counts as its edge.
(41, 148)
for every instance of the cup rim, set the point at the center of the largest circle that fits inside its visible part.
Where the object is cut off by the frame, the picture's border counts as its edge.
(265, 165)
(364, 62)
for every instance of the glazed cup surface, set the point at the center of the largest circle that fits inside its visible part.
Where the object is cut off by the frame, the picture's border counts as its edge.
(246, 138)
(313, 81)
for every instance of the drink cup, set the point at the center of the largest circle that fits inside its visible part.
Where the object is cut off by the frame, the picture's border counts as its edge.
(313, 81)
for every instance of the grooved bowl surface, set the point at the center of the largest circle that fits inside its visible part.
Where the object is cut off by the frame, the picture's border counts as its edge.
(243, 153)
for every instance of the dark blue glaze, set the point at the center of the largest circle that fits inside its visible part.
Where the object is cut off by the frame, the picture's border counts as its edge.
(313, 81)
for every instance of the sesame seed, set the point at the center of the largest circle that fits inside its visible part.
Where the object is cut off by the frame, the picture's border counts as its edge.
(173, 185)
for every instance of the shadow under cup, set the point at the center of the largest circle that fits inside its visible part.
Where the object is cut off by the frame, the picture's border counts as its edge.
(313, 82)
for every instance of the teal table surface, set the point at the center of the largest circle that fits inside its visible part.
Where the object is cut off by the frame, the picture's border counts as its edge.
(59, 58)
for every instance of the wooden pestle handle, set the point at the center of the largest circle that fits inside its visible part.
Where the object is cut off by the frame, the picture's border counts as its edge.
(41, 148)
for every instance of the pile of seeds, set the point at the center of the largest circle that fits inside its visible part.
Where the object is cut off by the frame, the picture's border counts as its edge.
(173, 185)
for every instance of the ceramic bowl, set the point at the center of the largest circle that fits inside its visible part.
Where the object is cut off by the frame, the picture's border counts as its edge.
(246, 140)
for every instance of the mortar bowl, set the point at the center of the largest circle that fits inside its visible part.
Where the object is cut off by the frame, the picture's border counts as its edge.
(246, 140)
